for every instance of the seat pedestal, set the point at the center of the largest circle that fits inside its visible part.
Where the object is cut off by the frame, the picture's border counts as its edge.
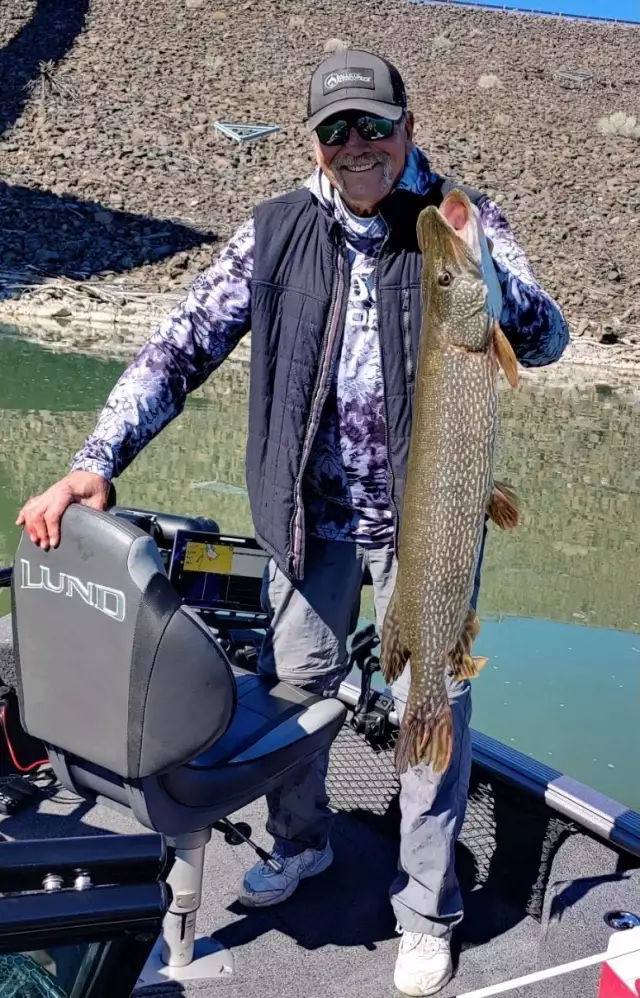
(178, 955)
(211, 961)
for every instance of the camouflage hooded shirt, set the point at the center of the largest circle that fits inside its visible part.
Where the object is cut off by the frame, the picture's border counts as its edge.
(347, 480)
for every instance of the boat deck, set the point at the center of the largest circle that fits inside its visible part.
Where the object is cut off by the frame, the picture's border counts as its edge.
(536, 889)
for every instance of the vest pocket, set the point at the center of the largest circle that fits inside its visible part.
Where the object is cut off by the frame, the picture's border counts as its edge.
(406, 335)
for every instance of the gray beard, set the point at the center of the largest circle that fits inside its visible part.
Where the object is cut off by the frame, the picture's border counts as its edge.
(340, 162)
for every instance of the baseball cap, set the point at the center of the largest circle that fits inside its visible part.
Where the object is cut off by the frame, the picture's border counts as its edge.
(354, 79)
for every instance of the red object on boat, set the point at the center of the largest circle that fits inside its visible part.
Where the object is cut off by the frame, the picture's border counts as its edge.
(612, 986)
(620, 974)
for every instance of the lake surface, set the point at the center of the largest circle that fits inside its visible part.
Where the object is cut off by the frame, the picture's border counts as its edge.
(559, 598)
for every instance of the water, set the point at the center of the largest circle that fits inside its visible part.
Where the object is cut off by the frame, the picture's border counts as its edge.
(559, 598)
(619, 10)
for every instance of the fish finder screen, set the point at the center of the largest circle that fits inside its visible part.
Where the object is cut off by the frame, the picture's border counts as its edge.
(223, 573)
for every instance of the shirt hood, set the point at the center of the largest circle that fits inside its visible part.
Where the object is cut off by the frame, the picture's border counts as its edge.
(416, 177)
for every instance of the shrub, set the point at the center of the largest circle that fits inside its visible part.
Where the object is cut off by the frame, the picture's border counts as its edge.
(489, 80)
(620, 123)
(441, 44)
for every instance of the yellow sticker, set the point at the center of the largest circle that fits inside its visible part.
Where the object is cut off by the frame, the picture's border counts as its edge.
(214, 558)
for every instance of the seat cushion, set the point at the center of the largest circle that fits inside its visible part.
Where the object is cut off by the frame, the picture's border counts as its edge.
(262, 705)
(276, 728)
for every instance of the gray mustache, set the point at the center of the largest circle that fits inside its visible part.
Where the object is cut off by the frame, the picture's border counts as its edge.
(347, 161)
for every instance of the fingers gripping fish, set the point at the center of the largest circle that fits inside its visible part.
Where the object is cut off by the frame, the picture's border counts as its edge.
(450, 486)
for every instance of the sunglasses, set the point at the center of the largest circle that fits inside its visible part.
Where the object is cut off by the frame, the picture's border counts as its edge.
(370, 127)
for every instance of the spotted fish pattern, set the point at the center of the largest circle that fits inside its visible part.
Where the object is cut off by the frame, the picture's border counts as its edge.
(346, 484)
(448, 487)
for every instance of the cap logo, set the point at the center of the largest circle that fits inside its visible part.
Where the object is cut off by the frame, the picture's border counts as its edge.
(347, 78)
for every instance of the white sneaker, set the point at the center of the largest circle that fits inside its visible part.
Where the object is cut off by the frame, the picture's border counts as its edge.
(423, 965)
(262, 886)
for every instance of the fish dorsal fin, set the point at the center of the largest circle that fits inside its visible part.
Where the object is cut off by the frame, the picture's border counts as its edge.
(505, 355)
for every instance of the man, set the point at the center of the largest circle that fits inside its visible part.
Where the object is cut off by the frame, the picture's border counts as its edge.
(327, 278)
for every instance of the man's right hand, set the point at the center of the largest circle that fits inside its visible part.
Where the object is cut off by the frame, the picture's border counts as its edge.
(41, 514)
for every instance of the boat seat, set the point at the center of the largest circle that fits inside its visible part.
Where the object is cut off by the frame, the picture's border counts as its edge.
(139, 707)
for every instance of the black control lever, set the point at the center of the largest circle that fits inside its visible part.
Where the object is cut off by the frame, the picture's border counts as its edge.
(247, 657)
(372, 710)
(235, 834)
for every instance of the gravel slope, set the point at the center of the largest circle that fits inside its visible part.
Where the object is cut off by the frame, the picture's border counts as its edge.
(110, 163)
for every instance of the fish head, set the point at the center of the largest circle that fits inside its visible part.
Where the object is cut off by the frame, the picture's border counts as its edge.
(454, 289)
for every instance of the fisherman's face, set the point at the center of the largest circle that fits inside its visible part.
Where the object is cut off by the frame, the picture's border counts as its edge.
(364, 170)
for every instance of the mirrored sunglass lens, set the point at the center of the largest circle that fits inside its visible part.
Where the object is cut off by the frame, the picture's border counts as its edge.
(333, 133)
(371, 128)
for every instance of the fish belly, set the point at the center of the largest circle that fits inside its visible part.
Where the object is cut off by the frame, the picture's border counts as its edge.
(449, 481)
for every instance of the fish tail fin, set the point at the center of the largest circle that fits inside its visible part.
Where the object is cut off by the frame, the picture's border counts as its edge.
(426, 735)
(505, 355)
(463, 665)
(393, 650)
(502, 507)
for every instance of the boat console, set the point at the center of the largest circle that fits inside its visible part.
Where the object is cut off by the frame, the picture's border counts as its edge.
(79, 915)
(219, 575)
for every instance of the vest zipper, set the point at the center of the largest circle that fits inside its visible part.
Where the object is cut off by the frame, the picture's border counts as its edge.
(296, 526)
(392, 485)
(406, 329)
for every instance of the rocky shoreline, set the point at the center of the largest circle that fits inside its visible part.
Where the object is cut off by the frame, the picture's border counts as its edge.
(117, 189)
(107, 333)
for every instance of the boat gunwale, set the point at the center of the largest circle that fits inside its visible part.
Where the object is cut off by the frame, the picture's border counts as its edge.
(599, 814)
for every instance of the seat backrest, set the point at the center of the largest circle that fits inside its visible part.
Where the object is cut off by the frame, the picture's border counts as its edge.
(111, 667)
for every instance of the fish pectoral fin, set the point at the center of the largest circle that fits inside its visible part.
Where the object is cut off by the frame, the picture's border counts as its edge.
(505, 355)
(463, 665)
(394, 653)
(467, 667)
(502, 507)
(426, 735)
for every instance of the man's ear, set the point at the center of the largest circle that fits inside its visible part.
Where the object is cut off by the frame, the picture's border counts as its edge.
(409, 125)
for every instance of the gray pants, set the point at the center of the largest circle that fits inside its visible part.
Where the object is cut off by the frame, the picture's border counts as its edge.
(306, 645)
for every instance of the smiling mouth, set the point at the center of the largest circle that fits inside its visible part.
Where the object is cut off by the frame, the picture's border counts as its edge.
(362, 168)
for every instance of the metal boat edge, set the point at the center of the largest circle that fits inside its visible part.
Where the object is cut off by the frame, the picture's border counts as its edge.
(599, 814)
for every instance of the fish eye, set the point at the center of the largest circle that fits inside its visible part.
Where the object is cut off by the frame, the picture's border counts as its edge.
(445, 278)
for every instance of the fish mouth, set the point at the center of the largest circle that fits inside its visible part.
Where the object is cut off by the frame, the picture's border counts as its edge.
(450, 232)
(456, 210)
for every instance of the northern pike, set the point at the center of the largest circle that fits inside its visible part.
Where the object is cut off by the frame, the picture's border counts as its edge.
(450, 485)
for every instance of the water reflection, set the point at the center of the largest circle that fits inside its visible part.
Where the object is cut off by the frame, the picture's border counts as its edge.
(563, 693)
